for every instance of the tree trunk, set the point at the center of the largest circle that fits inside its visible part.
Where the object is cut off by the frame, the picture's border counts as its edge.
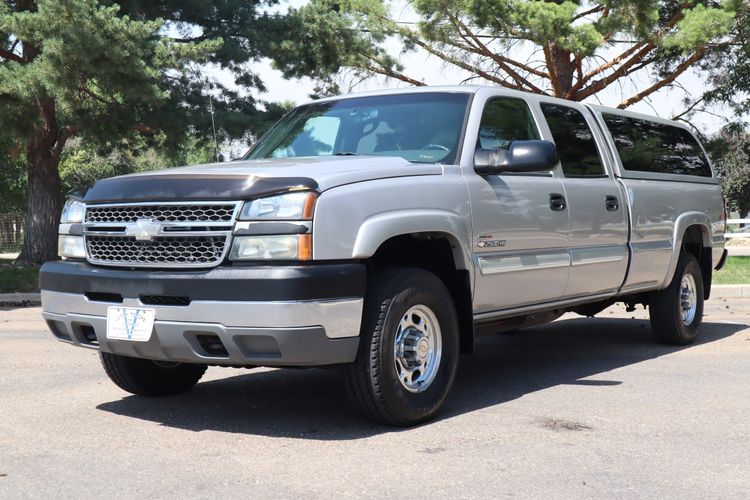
(562, 69)
(44, 200)
(43, 210)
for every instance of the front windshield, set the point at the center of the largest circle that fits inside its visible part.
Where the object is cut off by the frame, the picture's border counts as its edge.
(420, 128)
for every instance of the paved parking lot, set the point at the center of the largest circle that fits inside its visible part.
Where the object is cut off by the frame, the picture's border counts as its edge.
(582, 408)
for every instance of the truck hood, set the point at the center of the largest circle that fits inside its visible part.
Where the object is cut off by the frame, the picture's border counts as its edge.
(249, 179)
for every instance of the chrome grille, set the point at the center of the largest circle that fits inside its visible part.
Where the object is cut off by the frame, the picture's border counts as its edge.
(189, 250)
(161, 213)
(167, 235)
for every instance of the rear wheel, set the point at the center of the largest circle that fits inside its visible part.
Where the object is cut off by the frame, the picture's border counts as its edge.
(677, 311)
(144, 377)
(408, 352)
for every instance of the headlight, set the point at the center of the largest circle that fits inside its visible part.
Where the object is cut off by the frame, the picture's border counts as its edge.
(287, 247)
(73, 212)
(290, 206)
(71, 247)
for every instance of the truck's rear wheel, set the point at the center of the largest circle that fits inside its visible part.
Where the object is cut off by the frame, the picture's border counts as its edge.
(408, 352)
(677, 311)
(144, 377)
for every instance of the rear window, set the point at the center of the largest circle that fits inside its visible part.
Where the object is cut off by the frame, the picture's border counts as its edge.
(646, 146)
(574, 140)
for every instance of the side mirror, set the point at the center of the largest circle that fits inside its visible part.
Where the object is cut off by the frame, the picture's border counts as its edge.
(522, 156)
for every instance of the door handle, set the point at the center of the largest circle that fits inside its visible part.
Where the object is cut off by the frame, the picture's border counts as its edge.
(612, 203)
(557, 202)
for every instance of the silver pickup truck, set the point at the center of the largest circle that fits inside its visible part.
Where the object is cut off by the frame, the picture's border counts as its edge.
(382, 233)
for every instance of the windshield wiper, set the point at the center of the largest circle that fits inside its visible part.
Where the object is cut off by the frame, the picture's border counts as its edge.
(345, 153)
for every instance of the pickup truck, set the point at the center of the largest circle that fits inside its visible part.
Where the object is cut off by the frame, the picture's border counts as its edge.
(381, 234)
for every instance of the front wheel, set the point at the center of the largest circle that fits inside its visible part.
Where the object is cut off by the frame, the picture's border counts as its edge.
(144, 377)
(408, 351)
(677, 311)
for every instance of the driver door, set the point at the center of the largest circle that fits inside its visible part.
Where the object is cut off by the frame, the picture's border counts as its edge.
(520, 221)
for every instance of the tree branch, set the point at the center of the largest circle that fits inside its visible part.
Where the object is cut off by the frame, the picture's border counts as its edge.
(382, 70)
(551, 68)
(623, 70)
(67, 132)
(143, 129)
(11, 56)
(697, 56)
(598, 8)
(689, 108)
(201, 38)
(611, 63)
(500, 60)
(466, 66)
(640, 51)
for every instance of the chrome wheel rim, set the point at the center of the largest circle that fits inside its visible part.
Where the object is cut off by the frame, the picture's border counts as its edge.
(417, 348)
(688, 299)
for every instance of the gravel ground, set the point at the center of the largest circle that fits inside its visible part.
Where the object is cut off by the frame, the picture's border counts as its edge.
(581, 408)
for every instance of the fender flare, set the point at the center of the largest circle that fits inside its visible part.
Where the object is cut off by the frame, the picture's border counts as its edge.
(684, 221)
(379, 228)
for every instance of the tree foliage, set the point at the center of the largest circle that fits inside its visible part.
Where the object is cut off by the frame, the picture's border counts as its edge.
(730, 69)
(106, 73)
(730, 150)
(245, 29)
(82, 68)
(576, 48)
(83, 163)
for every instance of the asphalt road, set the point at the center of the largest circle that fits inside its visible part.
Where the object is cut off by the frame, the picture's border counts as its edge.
(582, 408)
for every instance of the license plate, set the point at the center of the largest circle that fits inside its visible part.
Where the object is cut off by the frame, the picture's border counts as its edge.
(130, 323)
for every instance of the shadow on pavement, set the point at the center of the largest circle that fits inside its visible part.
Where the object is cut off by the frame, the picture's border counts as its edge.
(311, 404)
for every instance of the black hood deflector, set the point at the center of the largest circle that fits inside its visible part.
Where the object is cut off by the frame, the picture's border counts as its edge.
(199, 187)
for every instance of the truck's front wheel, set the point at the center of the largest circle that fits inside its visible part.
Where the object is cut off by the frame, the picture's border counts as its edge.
(144, 377)
(677, 311)
(408, 351)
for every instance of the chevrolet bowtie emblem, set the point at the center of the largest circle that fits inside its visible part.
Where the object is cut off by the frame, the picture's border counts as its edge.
(144, 229)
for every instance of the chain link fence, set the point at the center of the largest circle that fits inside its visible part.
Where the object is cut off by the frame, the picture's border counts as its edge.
(12, 227)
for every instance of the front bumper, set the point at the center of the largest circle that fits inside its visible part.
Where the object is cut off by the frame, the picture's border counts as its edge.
(269, 315)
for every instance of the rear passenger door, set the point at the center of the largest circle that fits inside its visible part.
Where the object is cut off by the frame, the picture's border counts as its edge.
(598, 233)
(667, 176)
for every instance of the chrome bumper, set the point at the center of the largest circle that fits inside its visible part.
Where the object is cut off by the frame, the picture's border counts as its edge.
(288, 333)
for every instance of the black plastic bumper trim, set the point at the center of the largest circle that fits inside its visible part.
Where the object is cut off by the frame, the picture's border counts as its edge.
(261, 283)
(723, 260)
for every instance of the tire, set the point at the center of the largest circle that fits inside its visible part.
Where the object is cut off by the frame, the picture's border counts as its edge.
(671, 323)
(144, 377)
(406, 363)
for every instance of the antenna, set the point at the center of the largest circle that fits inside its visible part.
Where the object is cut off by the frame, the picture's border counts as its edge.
(213, 125)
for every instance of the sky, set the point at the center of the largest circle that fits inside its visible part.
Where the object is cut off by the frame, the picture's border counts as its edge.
(666, 103)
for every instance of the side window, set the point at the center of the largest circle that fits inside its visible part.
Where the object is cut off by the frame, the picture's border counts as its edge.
(505, 120)
(574, 140)
(647, 146)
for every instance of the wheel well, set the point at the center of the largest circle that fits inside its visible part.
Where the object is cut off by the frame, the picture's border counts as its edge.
(694, 242)
(437, 253)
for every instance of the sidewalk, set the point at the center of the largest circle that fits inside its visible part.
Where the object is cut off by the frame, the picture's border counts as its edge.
(738, 251)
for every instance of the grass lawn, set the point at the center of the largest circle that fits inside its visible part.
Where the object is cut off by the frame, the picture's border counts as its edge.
(14, 278)
(736, 271)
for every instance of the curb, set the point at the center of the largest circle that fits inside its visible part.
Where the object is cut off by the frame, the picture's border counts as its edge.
(730, 292)
(20, 299)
